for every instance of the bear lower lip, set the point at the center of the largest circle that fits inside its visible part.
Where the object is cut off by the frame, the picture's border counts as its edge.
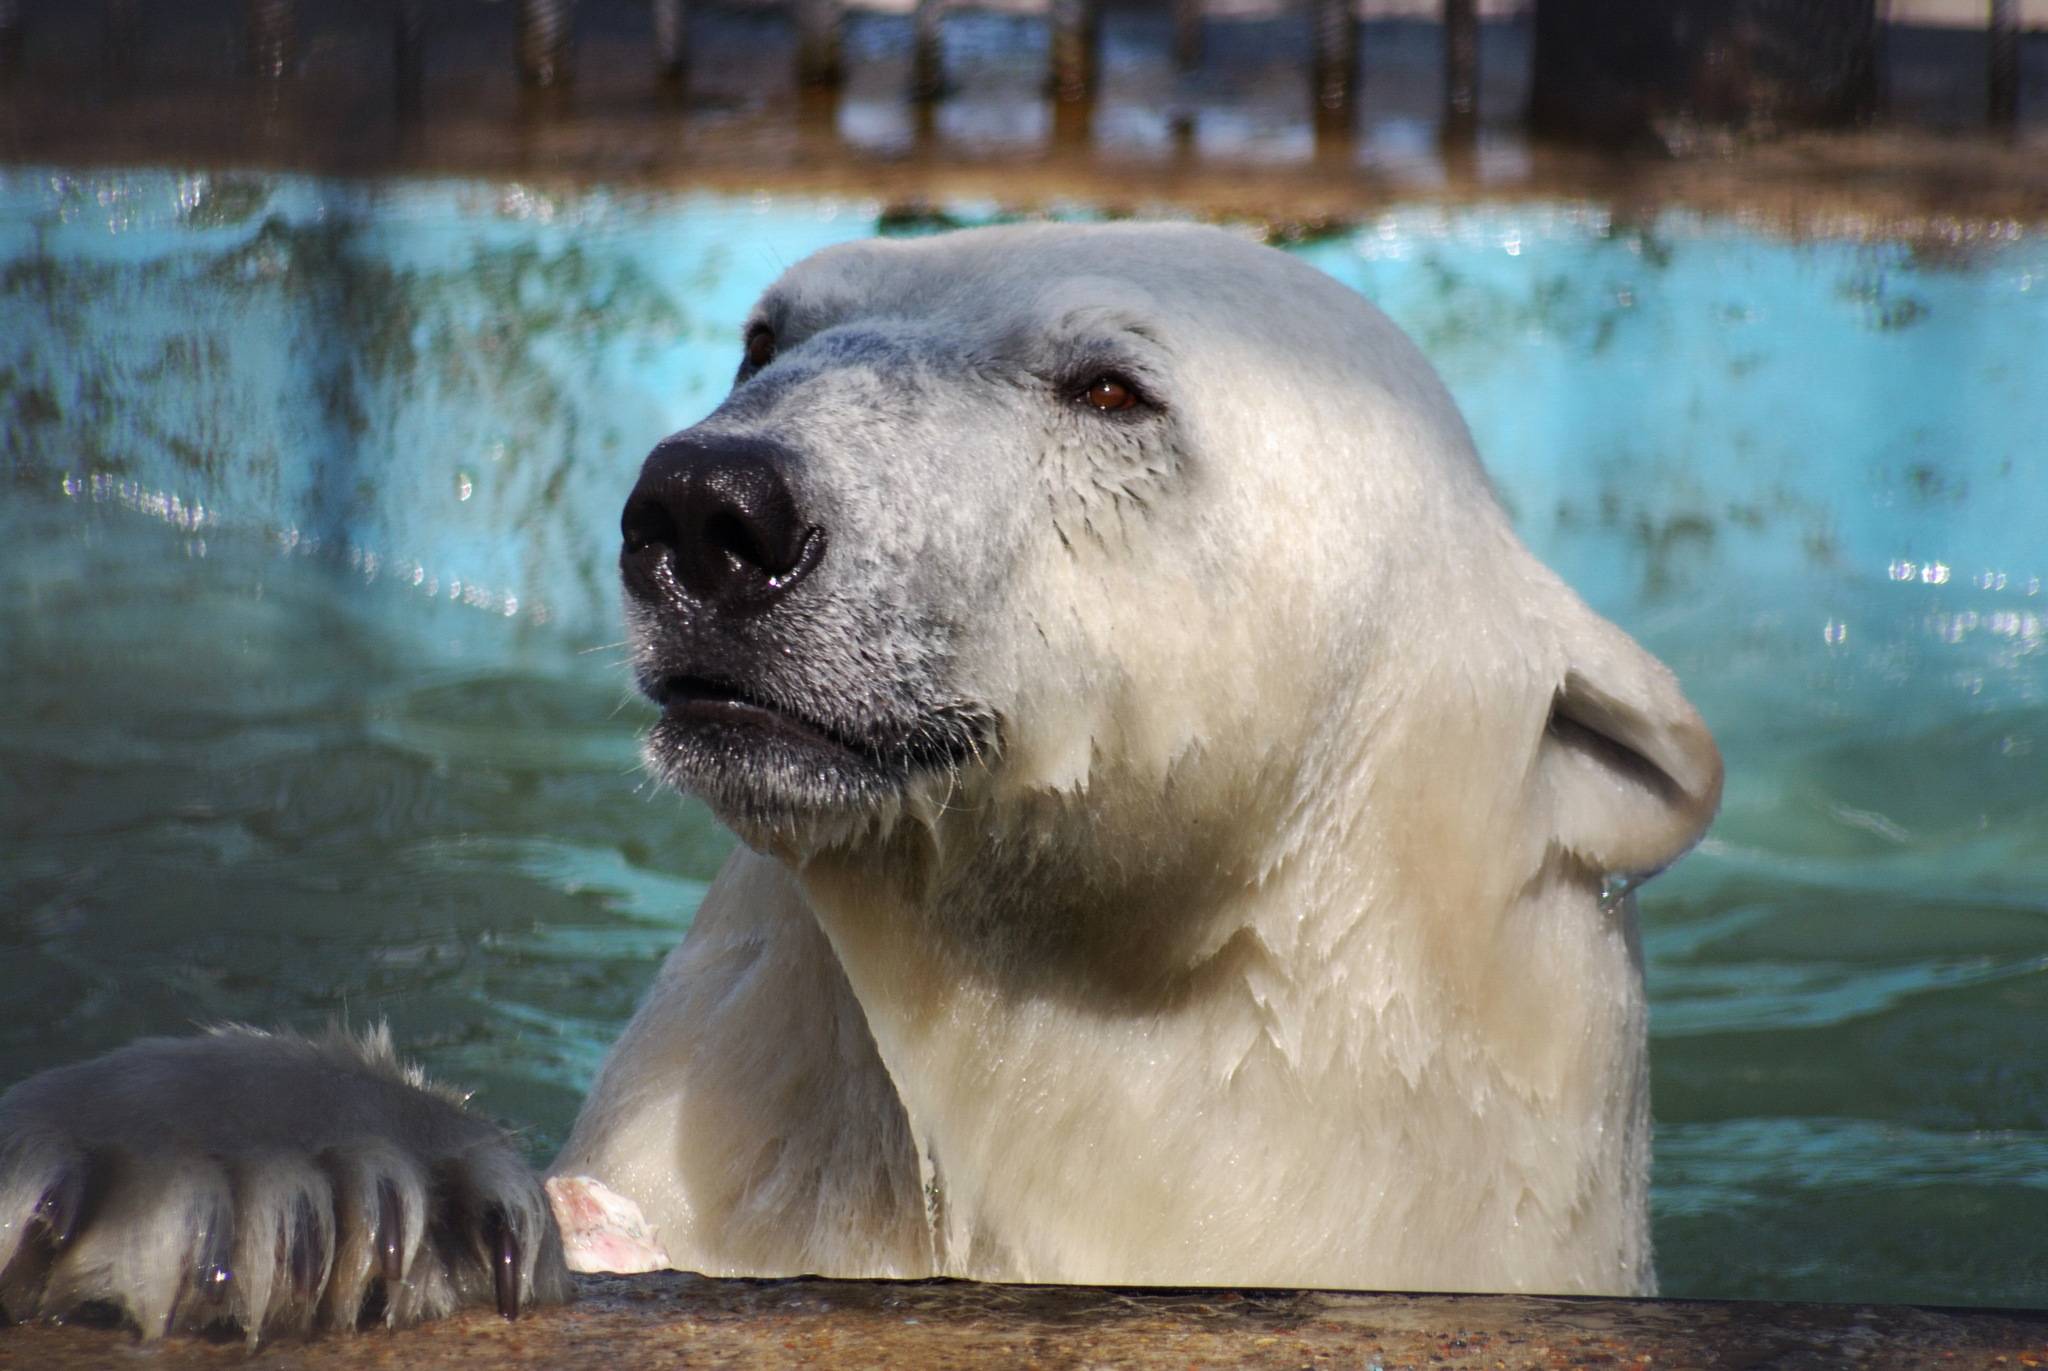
(758, 765)
(690, 702)
(755, 765)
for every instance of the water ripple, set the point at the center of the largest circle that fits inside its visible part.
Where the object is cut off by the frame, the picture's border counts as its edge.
(1704, 1168)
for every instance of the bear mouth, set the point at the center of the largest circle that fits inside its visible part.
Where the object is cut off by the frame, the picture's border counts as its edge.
(696, 704)
(760, 764)
(764, 767)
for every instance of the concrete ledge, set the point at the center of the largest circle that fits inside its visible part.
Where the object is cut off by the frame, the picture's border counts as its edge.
(674, 1320)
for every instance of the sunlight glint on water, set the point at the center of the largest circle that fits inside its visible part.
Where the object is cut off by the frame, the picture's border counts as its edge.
(310, 704)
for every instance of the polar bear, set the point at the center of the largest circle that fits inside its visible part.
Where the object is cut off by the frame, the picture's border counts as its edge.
(1187, 839)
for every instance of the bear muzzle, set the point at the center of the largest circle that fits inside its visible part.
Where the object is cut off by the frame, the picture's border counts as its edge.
(765, 715)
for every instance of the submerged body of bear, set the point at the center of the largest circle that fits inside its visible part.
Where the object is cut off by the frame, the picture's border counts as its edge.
(1185, 841)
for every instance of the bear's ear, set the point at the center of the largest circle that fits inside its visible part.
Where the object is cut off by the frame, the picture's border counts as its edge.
(1633, 774)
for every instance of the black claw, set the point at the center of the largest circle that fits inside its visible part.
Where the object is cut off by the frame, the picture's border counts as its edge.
(214, 1279)
(21, 1279)
(59, 1209)
(216, 1250)
(308, 1262)
(390, 1233)
(502, 1246)
(51, 1226)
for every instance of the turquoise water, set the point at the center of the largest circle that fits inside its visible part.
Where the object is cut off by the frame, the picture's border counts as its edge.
(311, 704)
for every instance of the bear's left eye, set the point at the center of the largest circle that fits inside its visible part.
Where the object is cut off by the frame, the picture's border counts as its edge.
(760, 346)
(1109, 391)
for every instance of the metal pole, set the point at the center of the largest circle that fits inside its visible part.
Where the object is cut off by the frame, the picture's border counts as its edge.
(1073, 49)
(122, 37)
(817, 41)
(1461, 67)
(409, 54)
(671, 39)
(546, 37)
(1187, 33)
(1336, 54)
(2003, 75)
(927, 61)
(1073, 124)
(817, 117)
(273, 37)
(10, 35)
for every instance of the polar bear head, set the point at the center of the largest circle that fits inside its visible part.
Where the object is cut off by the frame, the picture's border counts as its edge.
(1068, 569)
(1220, 819)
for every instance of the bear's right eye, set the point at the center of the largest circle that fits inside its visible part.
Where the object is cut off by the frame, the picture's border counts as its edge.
(1109, 391)
(760, 346)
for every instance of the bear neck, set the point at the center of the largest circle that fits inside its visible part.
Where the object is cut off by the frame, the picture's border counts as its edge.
(1093, 1083)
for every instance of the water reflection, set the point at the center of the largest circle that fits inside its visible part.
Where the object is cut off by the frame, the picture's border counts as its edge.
(304, 717)
(251, 787)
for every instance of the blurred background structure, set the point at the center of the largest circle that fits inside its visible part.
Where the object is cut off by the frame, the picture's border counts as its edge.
(1369, 92)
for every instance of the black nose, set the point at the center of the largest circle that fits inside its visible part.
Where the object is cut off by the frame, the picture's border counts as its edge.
(713, 519)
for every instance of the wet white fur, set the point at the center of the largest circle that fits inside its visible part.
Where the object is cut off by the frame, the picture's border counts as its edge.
(1271, 949)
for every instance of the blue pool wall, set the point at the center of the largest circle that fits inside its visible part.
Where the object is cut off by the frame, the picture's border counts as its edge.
(452, 383)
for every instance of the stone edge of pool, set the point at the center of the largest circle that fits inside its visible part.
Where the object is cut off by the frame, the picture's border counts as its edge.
(672, 1319)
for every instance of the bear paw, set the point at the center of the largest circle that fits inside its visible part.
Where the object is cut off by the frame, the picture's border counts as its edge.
(262, 1182)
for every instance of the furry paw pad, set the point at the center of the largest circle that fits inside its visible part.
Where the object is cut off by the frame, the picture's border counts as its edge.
(267, 1183)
